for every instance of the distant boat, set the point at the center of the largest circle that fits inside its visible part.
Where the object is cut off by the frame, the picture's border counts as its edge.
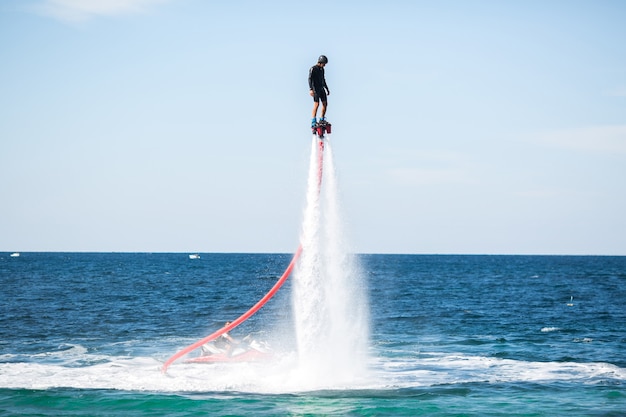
(571, 301)
(194, 256)
(15, 254)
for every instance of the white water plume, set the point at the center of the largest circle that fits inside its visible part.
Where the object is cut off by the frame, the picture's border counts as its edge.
(329, 302)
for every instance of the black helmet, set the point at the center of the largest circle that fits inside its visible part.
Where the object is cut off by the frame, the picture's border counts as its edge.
(322, 59)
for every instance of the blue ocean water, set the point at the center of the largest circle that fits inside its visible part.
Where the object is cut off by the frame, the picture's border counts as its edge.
(85, 334)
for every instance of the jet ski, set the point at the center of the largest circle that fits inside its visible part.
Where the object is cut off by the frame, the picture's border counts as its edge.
(248, 350)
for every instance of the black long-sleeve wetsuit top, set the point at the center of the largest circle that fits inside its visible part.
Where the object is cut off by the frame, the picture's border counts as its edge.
(317, 82)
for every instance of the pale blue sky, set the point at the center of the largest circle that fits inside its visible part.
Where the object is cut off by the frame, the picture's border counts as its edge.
(182, 125)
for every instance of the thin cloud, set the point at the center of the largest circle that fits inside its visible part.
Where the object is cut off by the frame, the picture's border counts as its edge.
(81, 10)
(603, 139)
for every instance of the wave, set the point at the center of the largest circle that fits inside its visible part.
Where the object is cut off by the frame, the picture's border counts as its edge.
(82, 370)
(549, 329)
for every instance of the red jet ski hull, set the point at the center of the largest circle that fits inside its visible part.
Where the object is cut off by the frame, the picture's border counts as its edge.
(248, 356)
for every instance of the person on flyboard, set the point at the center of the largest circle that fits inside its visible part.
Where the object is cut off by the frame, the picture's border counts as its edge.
(318, 89)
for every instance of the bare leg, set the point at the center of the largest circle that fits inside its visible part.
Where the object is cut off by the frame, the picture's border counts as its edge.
(324, 104)
(315, 106)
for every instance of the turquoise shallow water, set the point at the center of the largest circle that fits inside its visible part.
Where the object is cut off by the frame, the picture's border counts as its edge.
(488, 400)
(85, 335)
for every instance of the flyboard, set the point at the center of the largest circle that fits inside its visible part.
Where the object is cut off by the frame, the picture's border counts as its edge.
(320, 130)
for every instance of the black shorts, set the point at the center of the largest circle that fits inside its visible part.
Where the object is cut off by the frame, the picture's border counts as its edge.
(319, 95)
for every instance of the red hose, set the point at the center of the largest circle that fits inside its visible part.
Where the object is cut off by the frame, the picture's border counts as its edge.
(245, 316)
